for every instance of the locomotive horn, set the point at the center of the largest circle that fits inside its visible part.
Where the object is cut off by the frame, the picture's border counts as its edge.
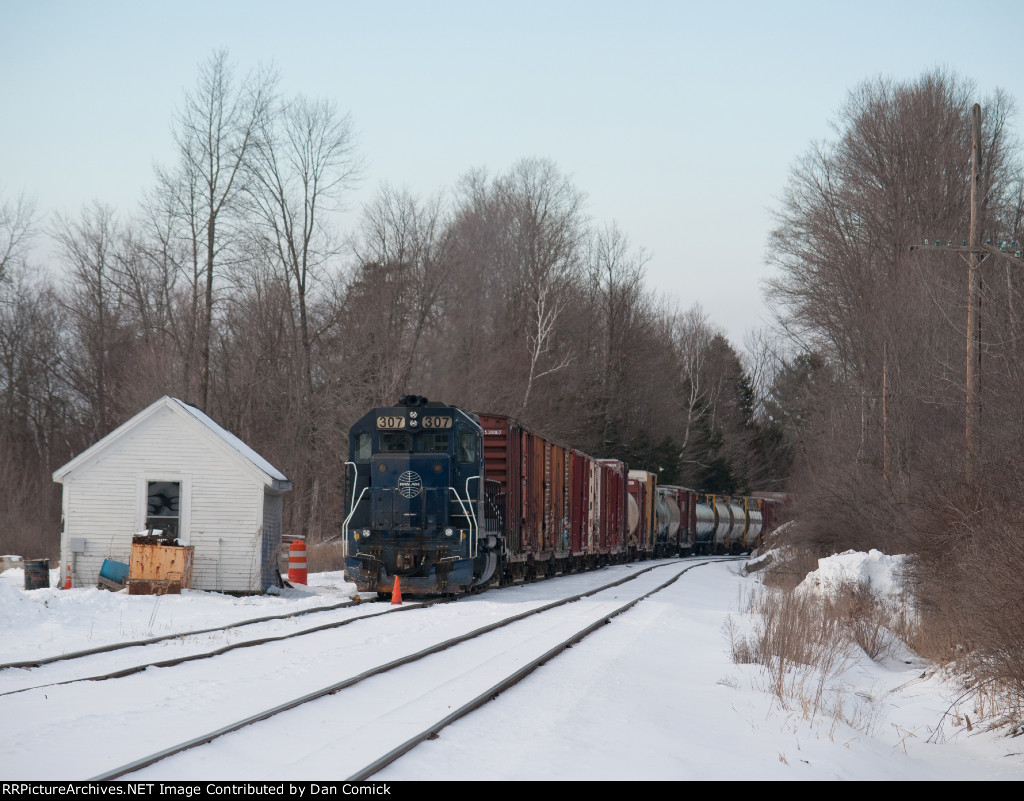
(412, 400)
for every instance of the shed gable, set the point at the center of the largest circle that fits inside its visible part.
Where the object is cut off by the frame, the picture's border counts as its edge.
(166, 465)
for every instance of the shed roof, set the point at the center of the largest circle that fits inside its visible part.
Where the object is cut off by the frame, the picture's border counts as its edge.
(274, 476)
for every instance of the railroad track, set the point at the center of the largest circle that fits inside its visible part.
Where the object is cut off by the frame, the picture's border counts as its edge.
(384, 711)
(11, 684)
(24, 676)
(119, 646)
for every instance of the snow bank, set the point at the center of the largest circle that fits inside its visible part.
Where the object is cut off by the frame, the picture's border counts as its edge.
(49, 621)
(774, 556)
(882, 573)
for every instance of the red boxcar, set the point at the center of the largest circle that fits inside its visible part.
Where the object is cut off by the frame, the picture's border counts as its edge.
(580, 527)
(613, 483)
(562, 508)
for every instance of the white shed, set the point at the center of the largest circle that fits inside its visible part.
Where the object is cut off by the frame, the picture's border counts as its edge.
(173, 468)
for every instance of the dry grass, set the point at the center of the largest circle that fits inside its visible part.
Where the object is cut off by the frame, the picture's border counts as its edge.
(968, 580)
(878, 626)
(322, 557)
(805, 644)
(787, 572)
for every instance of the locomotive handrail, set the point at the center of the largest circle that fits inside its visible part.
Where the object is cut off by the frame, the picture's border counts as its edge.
(491, 504)
(355, 478)
(468, 517)
(344, 525)
(472, 509)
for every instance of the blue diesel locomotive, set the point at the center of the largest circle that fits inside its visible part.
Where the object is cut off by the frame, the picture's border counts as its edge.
(417, 501)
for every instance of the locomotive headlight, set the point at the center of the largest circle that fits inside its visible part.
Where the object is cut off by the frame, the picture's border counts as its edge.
(366, 532)
(448, 532)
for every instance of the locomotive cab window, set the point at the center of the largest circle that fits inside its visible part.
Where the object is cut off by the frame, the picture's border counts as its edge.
(467, 446)
(395, 442)
(363, 447)
(432, 443)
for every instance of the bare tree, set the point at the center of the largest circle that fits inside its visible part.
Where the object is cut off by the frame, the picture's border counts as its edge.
(403, 247)
(848, 284)
(37, 421)
(88, 248)
(299, 168)
(543, 250)
(615, 276)
(17, 228)
(692, 334)
(215, 133)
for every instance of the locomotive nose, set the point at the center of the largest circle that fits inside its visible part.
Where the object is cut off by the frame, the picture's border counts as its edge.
(410, 492)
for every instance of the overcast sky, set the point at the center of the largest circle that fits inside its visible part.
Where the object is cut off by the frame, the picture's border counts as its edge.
(679, 120)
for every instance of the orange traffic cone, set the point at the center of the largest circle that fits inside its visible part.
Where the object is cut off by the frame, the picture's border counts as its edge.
(396, 593)
(67, 578)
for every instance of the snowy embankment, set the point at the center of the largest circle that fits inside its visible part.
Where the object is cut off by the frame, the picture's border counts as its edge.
(652, 695)
(881, 573)
(48, 622)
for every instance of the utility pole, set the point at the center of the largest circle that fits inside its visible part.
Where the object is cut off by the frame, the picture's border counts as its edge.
(974, 253)
(972, 428)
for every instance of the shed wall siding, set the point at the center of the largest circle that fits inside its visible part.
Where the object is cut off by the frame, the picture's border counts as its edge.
(223, 510)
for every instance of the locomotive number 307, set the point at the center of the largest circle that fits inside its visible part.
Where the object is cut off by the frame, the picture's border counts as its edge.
(390, 422)
(437, 422)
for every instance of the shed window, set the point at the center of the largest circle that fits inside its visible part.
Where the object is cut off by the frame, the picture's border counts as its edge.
(163, 510)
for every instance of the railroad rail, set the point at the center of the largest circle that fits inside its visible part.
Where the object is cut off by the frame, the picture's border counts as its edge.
(464, 706)
(179, 660)
(117, 646)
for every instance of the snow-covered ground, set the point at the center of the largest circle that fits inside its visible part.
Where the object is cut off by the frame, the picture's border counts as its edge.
(652, 695)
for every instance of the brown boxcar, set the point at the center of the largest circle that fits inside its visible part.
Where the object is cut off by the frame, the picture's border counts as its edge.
(580, 528)
(613, 507)
(550, 502)
(563, 509)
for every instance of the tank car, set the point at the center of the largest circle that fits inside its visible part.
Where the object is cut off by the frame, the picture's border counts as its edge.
(676, 516)
(727, 524)
(643, 491)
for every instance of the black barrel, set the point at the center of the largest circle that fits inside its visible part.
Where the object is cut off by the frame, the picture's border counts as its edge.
(37, 574)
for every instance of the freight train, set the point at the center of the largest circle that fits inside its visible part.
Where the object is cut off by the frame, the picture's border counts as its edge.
(454, 502)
